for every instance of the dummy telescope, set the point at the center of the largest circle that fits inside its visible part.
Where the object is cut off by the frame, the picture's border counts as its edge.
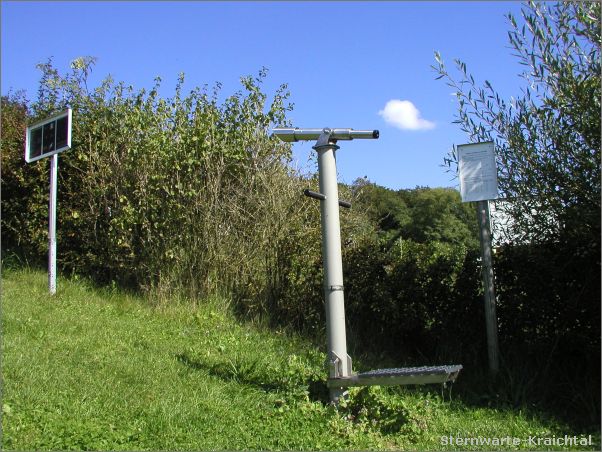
(340, 372)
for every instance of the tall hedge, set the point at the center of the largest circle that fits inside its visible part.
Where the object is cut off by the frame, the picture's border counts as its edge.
(182, 193)
(187, 194)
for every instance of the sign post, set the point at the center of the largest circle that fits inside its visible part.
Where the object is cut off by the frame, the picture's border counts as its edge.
(488, 285)
(46, 139)
(478, 182)
(54, 161)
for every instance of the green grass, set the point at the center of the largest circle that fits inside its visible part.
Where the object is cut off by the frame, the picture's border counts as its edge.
(92, 369)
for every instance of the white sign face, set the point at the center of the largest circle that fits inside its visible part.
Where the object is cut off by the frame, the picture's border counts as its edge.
(478, 171)
(48, 137)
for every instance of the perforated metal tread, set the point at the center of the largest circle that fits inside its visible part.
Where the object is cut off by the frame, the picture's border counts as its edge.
(400, 376)
(412, 371)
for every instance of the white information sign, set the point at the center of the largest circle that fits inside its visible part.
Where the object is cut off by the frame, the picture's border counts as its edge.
(478, 171)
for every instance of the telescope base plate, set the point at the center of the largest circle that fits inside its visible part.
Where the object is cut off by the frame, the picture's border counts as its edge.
(399, 376)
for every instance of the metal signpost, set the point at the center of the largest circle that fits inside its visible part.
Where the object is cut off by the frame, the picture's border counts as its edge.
(478, 182)
(46, 139)
(341, 375)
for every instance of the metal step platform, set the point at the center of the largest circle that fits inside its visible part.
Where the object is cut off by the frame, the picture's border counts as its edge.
(399, 376)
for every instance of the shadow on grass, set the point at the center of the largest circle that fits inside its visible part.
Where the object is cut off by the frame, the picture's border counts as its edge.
(253, 373)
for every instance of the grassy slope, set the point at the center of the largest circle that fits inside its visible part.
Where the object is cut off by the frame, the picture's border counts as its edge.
(94, 369)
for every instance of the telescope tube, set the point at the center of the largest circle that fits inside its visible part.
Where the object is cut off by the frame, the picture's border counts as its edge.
(291, 134)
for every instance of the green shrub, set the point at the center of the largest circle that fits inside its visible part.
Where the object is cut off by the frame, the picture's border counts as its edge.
(398, 298)
(161, 194)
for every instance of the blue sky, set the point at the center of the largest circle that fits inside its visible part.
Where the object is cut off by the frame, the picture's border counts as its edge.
(364, 65)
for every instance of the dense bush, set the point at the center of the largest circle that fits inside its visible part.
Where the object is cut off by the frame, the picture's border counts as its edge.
(171, 194)
(549, 311)
(408, 301)
(24, 187)
(422, 303)
(182, 195)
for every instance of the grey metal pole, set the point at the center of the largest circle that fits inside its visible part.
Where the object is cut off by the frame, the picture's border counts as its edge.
(339, 361)
(340, 367)
(488, 286)
(54, 159)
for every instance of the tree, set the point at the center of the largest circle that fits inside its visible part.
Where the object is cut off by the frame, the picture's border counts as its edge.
(422, 214)
(439, 215)
(547, 139)
(24, 187)
(384, 206)
(548, 156)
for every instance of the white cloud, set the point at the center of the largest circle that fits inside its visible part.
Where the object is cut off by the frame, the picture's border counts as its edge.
(404, 115)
